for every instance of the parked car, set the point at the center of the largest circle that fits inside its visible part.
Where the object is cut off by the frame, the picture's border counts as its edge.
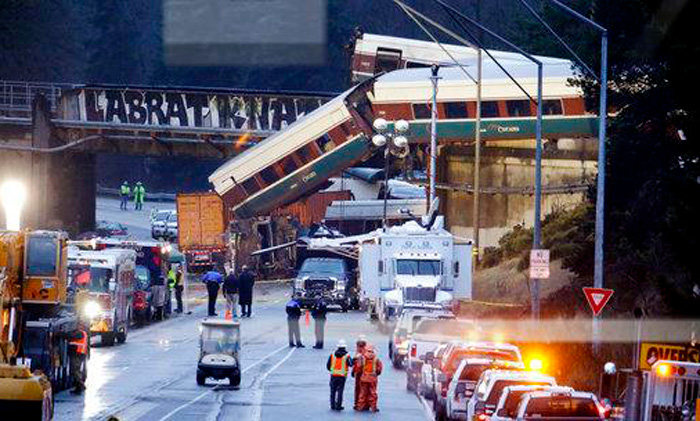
(110, 229)
(459, 351)
(407, 322)
(324, 277)
(464, 381)
(158, 224)
(556, 405)
(491, 384)
(507, 407)
(430, 364)
(171, 230)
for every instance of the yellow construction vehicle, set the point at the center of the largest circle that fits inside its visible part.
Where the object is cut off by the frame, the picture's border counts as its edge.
(35, 324)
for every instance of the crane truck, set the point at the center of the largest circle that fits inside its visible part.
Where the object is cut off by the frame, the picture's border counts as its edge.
(35, 323)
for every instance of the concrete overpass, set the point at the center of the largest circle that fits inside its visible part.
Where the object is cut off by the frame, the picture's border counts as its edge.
(50, 133)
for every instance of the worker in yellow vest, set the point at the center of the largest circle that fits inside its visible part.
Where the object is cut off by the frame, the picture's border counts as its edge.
(338, 364)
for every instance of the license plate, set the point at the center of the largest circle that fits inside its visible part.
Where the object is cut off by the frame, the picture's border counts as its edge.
(47, 284)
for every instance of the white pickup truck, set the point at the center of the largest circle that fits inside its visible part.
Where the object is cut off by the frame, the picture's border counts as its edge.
(407, 322)
(427, 336)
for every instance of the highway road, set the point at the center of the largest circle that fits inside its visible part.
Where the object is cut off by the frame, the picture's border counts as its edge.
(137, 222)
(152, 376)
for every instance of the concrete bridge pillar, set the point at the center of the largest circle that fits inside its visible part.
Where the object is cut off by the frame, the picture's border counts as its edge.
(61, 185)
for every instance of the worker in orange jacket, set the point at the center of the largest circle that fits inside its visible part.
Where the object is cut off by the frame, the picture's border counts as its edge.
(370, 368)
(359, 350)
(78, 353)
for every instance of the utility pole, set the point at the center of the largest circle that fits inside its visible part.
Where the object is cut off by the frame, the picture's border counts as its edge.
(477, 158)
(433, 133)
(537, 237)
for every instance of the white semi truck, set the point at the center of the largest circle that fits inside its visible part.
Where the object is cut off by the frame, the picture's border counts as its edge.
(413, 264)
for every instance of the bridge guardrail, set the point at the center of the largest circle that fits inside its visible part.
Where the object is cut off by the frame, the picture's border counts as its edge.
(16, 97)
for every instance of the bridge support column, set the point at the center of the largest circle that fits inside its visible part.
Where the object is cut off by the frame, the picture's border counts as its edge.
(61, 184)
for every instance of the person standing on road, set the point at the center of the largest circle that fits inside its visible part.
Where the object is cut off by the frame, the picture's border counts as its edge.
(212, 279)
(338, 364)
(246, 282)
(139, 196)
(78, 352)
(293, 310)
(370, 368)
(359, 351)
(175, 283)
(319, 314)
(124, 193)
(231, 294)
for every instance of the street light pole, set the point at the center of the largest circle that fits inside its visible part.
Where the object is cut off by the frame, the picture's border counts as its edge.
(598, 259)
(433, 133)
(477, 158)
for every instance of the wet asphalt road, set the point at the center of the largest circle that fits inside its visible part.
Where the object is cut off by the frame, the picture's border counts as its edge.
(137, 222)
(152, 376)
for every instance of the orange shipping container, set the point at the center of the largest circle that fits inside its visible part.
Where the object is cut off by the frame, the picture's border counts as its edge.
(200, 221)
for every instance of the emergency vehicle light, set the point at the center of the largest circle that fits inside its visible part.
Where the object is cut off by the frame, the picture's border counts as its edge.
(663, 370)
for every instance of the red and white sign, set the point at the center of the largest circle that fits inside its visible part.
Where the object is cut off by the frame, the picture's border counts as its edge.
(597, 298)
(539, 264)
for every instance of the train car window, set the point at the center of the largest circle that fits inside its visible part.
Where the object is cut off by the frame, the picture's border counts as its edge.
(306, 153)
(551, 107)
(251, 186)
(489, 109)
(325, 143)
(456, 110)
(288, 165)
(421, 111)
(415, 65)
(518, 108)
(387, 60)
(269, 175)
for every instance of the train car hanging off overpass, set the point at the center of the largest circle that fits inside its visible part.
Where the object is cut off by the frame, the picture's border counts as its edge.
(299, 160)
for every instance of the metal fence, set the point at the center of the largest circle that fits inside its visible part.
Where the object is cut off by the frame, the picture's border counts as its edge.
(16, 97)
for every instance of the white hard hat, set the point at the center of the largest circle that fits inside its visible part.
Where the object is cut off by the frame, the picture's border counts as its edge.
(342, 344)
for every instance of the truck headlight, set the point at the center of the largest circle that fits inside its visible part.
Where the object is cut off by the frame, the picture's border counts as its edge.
(298, 284)
(92, 310)
(340, 285)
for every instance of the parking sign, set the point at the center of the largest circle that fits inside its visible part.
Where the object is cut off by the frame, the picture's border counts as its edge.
(539, 264)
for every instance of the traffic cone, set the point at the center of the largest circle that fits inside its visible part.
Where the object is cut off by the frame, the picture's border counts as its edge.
(228, 315)
(308, 318)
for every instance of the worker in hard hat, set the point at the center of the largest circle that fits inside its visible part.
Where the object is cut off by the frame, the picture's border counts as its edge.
(370, 368)
(78, 350)
(139, 196)
(124, 193)
(339, 363)
(359, 350)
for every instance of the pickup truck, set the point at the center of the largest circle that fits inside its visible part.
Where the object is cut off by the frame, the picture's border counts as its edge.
(428, 335)
(507, 407)
(464, 381)
(555, 405)
(492, 382)
(458, 351)
(407, 322)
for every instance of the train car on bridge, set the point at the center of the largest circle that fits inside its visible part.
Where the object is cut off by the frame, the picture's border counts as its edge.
(299, 160)
(376, 54)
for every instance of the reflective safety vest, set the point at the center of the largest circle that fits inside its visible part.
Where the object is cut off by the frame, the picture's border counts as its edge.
(172, 278)
(81, 344)
(339, 366)
(125, 189)
(369, 366)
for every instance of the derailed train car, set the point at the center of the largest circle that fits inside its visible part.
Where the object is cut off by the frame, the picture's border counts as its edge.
(299, 160)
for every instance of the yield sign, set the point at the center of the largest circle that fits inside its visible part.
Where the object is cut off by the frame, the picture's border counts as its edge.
(597, 298)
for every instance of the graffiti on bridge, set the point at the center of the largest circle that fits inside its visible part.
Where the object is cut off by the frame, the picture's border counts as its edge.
(194, 109)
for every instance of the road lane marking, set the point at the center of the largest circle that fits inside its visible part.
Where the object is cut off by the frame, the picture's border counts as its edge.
(260, 389)
(426, 408)
(203, 394)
